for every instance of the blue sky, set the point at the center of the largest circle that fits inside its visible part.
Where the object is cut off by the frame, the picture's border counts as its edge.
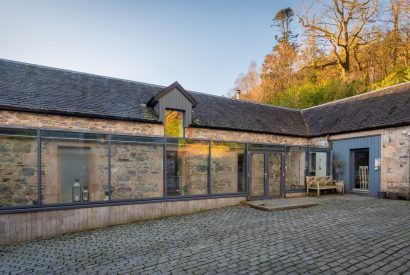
(202, 44)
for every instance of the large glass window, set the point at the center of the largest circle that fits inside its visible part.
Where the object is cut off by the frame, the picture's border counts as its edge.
(227, 167)
(74, 167)
(187, 167)
(296, 169)
(174, 123)
(18, 168)
(136, 168)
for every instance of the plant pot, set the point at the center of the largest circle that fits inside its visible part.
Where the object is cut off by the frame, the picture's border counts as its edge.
(381, 195)
(339, 186)
(393, 195)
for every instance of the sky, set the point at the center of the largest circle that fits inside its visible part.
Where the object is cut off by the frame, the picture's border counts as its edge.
(203, 45)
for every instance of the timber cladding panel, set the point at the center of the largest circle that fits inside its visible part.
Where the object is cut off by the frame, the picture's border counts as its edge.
(37, 225)
(177, 101)
(342, 151)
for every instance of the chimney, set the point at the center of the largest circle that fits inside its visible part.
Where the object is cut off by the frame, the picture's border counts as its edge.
(238, 94)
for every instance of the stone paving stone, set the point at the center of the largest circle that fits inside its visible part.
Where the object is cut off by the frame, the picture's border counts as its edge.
(342, 235)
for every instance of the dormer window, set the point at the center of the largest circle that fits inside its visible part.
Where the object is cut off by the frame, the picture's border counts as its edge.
(173, 105)
(174, 123)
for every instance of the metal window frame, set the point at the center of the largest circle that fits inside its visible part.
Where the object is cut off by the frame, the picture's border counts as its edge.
(39, 170)
(297, 148)
(245, 167)
(163, 140)
(266, 157)
(183, 121)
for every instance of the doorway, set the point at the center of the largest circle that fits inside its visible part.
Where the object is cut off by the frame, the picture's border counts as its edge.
(360, 169)
(265, 175)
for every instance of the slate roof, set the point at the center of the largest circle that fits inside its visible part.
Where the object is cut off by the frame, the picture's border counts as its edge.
(35, 88)
(382, 108)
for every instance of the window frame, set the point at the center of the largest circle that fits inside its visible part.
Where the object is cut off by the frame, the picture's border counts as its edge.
(87, 135)
(183, 122)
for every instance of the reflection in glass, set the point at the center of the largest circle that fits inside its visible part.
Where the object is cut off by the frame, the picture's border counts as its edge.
(275, 170)
(174, 123)
(18, 169)
(227, 167)
(74, 167)
(318, 164)
(295, 170)
(257, 174)
(136, 170)
(187, 167)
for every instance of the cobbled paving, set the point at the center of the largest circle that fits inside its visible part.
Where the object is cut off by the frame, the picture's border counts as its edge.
(343, 235)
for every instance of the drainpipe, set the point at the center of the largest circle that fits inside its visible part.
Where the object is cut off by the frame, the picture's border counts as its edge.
(330, 155)
(408, 153)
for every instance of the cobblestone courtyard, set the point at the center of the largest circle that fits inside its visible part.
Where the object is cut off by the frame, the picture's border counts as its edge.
(344, 234)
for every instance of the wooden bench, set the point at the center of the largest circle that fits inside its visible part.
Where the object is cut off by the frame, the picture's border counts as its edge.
(320, 183)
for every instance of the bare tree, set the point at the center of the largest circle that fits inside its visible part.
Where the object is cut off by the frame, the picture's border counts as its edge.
(397, 9)
(343, 25)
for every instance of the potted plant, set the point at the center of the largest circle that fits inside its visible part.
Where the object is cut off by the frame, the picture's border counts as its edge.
(184, 189)
(338, 166)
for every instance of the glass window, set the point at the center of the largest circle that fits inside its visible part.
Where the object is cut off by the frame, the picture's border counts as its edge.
(187, 167)
(318, 164)
(136, 169)
(227, 167)
(18, 168)
(295, 170)
(74, 167)
(174, 123)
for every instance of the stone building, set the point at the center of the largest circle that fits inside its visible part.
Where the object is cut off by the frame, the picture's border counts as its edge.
(80, 151)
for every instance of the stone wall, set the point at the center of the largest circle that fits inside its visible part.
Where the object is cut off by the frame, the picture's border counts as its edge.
(68, 123)
(395, 153)
(395, 161)
(237, 136)
(137, 170)
(395, 144)
(24, 179)
(319, 141)
(18, 171)
(194, 168)
(224, 170)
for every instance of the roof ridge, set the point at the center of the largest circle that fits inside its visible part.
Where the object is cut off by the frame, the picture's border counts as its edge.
(139, 82)
(359, 95)
(245, 101)
(81, 73)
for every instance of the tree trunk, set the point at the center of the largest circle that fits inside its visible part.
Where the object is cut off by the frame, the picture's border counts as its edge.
(395, 9)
